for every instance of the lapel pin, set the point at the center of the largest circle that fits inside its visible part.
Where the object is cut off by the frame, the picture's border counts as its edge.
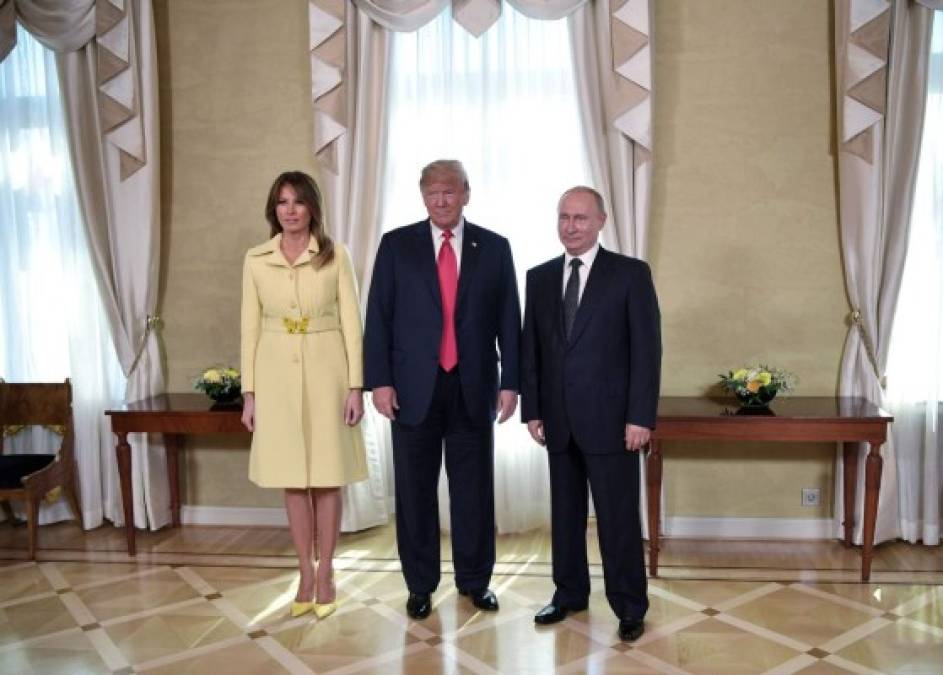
(475, 244)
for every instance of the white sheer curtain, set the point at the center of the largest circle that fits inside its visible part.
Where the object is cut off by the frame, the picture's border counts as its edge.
(915, 362)
(505, 104)
(52, 325)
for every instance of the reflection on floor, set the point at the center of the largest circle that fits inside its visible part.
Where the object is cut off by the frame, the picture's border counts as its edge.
(214, 600)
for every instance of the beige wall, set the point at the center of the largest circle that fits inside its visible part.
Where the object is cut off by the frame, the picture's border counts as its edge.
(235, 111)
(744, 234)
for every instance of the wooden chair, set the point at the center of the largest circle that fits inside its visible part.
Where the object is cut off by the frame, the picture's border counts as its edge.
(30, 477)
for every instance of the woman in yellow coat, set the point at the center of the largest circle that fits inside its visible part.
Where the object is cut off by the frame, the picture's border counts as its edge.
(302, 374)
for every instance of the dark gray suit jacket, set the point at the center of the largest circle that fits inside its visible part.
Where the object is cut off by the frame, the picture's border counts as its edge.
(608, 374)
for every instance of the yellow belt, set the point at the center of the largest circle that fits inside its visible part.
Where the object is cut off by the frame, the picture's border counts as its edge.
(316, 324)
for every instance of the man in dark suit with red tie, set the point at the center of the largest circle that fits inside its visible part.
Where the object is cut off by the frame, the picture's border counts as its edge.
(590, 370)
(443, 304)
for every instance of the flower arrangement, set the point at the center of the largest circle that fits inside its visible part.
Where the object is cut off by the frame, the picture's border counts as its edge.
(222, 384)
(757, 385)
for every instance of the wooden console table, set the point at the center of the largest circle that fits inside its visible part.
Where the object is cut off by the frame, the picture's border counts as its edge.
(845, 420)
(173, 415)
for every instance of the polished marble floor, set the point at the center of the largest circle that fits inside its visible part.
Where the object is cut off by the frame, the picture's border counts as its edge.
(214, 600)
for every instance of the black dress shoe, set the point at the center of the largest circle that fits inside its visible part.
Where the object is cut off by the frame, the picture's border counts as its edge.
(554, 613)
(484, 600)
(630, 630)
(419, 605)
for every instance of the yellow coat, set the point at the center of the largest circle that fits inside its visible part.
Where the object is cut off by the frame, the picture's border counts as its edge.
(301, 353)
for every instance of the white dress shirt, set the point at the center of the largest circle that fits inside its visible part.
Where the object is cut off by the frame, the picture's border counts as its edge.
(587, 259)
(456, 242)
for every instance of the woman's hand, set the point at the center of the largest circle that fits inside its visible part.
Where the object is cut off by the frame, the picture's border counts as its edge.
(248, 410)
(353, 407)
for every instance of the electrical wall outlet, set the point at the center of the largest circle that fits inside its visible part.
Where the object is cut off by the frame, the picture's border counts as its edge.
(811, 496)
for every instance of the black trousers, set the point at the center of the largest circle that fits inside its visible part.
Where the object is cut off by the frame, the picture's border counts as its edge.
(469, 465)
(614, 480)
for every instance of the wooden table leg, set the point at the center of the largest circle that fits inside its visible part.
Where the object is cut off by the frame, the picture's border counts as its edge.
(172, 443)
(872, 486)
(653, 487)
(123, 454)
(850, 465)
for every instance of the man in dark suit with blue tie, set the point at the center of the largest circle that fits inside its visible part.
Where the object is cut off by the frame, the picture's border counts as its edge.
(590, 370)
(443, 304)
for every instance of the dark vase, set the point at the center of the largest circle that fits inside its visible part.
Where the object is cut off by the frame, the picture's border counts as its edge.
(761, 399)
(226, 397)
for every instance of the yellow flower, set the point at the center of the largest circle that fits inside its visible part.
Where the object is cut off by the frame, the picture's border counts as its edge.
(232, 372)
(740, 374)
(212, 376)
(764, 378)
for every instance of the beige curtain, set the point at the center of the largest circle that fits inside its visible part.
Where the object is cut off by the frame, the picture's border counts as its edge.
(880, 96)
(349, 46)
(612, 50)
(107, 63)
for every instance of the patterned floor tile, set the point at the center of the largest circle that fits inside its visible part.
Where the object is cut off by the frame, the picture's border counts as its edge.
(137, 594)
(437, 660)
(160, 635)
(23, 582)
(823, 668)
(737, 612)
(600, 623)
(712, 646)
(452, 613)
(707, 593)
(80, 574)
(932, 612)
(519, 646)
(898, 648)
(383, 585)
(265, 604)
(807, 618)
(614, 663)
(881, 596)
(33, 619)
(225, 579)
(242, 659)
(343, 639)
(67, 654)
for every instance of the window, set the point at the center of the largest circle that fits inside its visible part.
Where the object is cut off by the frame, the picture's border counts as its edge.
(52, 325)
(504, 104)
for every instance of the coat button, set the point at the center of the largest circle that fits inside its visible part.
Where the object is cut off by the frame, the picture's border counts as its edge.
(294, 304)
(291, 275)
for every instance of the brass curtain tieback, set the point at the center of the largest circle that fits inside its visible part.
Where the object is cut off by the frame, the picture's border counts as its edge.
(296, 325)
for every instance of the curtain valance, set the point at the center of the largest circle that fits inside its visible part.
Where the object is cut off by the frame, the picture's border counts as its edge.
(60, 25)
(623, 25)
(475, 16)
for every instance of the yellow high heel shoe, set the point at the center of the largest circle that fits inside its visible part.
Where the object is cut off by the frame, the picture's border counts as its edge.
(322, 611)
(300, 608)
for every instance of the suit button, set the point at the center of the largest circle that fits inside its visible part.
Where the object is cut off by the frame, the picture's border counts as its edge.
(291, 275)
(294, 358)
(294, 304)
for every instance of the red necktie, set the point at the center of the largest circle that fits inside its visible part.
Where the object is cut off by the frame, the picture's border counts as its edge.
(448, 287)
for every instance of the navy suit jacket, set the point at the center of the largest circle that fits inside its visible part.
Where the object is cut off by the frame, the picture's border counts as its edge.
(608, 374)
(404, 321)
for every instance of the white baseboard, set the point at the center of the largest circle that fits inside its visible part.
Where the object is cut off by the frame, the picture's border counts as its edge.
(730, 528)
(233, 515)
(749, 528)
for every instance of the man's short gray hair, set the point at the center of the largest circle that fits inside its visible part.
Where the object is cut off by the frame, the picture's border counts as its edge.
(444, 169)
(600, 202)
